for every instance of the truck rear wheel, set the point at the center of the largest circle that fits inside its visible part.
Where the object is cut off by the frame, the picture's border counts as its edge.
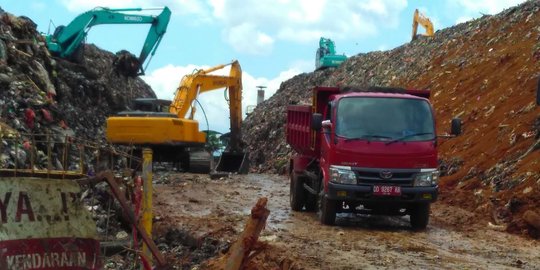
(327, 210)
(419, 216)
(297, 193)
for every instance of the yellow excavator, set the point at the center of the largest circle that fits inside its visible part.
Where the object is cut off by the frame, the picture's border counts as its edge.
(169, 128)
(419, 18)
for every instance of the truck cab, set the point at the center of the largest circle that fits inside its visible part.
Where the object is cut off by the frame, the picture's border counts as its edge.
(372, 150)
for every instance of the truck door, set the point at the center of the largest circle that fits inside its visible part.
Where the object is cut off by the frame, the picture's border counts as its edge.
(327, 137)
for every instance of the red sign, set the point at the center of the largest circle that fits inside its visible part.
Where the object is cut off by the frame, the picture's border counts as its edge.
(45, 226)
(387, 190)
(49, 254)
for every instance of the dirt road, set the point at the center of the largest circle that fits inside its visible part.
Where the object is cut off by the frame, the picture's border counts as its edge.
(209, 214)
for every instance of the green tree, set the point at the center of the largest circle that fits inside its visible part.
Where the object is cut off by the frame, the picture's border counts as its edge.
(213, 142)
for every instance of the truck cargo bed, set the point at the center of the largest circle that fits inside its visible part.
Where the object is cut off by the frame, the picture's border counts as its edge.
(299, 133)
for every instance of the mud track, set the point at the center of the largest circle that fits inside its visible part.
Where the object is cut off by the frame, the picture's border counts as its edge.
(216, 210)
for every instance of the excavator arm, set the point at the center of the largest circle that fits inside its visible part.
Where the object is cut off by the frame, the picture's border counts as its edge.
(66, 40)
(202, 81)
(327, 45)
(326, 56)
(419, 18)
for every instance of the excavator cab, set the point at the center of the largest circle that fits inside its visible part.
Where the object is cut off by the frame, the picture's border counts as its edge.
(149, 107)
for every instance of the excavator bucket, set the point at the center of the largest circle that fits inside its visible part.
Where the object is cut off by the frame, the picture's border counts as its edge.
(127, 64)
(236, 162)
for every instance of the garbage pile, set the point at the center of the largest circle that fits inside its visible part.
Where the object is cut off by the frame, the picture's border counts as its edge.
(264, 130)
(484, 71)
(41, 94)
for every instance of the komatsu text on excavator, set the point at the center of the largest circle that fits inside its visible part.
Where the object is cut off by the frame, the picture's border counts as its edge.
(169, 127)
(66, 41)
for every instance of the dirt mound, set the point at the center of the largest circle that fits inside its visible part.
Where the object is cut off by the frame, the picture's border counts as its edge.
(484, 71)
(42, 94)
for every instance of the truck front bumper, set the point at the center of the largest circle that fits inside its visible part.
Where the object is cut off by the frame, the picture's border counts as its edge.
(364, 193)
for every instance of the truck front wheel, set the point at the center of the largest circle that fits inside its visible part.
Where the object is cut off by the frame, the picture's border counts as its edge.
(419, 216)
(327, 210)
(297, 194)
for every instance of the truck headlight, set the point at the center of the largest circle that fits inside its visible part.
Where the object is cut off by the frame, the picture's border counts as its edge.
(426, 179)
(342, 175)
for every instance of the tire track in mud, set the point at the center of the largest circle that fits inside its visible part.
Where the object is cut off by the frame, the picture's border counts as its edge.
(357, 242)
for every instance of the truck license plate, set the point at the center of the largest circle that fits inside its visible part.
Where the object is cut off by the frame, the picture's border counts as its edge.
(387, 190)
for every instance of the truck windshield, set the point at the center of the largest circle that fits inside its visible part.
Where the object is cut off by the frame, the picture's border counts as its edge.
(384, 119)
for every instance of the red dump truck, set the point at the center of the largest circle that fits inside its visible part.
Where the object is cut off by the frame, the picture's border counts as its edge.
(364, 150)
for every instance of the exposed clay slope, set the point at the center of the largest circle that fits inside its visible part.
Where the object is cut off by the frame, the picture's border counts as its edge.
(484, 71)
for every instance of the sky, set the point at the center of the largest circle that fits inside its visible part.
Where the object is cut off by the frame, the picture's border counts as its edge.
(273, 40)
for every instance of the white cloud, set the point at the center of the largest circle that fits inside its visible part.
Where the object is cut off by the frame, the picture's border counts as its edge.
(254, 26)
(178, 7)
(259, 23)
(300, 66)
(476, 7)
(165, 80)
(246, 38)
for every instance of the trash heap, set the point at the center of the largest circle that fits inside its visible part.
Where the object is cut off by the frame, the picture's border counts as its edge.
(41, 94)
(484, 71)
(264, 129)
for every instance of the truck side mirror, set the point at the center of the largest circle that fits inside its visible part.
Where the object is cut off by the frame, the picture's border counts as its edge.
(316, 121)
(455, 128)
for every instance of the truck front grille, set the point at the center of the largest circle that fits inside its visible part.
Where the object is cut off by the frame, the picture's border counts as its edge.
(372, 176)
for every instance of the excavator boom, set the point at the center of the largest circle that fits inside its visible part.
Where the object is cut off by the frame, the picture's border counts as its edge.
(66, 40)
(425, 22)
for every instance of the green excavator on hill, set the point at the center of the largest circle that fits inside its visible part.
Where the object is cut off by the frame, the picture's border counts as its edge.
(66, 41)
(326, 55)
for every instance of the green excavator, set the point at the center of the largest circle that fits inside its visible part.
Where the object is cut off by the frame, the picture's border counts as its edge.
(326, 55)
(66, 41)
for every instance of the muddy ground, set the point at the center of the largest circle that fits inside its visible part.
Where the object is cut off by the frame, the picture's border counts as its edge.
(196, 218)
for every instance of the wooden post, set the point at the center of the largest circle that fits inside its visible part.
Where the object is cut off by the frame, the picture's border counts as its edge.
(146, 220)
(240, 252)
